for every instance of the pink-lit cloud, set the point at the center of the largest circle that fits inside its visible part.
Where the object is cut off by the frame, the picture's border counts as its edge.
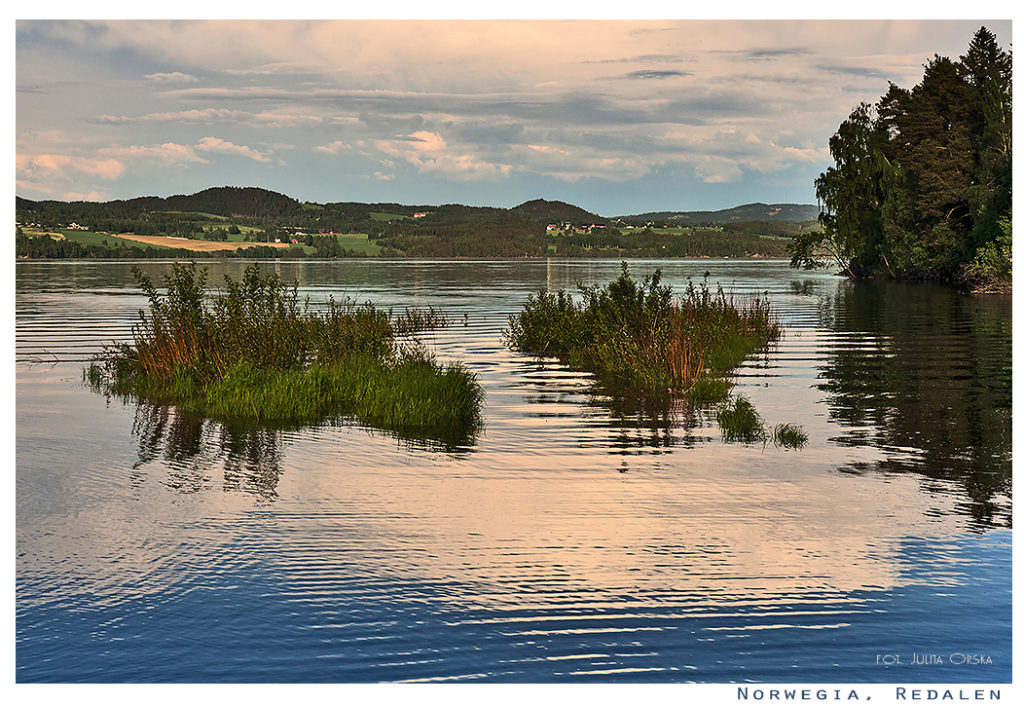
(215, 144)
(62, 166)
(429, 152)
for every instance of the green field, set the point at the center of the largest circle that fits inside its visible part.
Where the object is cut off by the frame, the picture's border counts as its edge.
(359, 242)
(379, 216)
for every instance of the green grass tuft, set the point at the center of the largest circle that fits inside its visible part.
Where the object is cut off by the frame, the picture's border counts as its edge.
(740, 421)
(789, 436)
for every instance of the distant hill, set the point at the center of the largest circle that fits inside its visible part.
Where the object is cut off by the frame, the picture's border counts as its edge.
(540, 209)
(247, 202)
(256, 203)
(792, 212)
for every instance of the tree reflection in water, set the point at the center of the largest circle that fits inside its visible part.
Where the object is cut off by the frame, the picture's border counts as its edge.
(925, 373)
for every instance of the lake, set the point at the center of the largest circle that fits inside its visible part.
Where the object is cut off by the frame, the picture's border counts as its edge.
(574, 539)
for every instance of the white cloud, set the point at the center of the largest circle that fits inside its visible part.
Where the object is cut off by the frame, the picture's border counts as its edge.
(173, 77)
(192, 115)
(89, 196)
(215, 144)
(429, 152)
(167, 153)
(333, 147)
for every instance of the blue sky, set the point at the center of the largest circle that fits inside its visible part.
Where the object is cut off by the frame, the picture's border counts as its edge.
(614, 116)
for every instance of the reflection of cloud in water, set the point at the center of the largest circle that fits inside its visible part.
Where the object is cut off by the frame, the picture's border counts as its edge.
(549, 531)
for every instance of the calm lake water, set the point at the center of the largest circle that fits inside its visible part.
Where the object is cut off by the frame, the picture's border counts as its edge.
(573, 540)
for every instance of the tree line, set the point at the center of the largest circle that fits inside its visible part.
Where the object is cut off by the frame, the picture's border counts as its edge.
(922, 182)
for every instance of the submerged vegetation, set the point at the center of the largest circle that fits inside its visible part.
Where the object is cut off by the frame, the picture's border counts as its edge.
(254, 353)
(642, 344)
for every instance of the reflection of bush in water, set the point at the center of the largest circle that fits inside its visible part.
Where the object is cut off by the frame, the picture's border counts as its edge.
(656, 420)
(741, 422)
(193, 447)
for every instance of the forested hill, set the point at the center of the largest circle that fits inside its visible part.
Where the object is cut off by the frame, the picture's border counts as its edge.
(247, 202)
(554, 211)
(792, 212)
(257, 203)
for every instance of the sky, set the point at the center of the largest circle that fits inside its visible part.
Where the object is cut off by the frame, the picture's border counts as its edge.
(615, 116)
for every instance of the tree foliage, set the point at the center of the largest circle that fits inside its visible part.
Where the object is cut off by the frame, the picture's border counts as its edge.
(922, 182)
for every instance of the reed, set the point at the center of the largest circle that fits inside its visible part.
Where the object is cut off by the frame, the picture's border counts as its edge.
(255, 353)
(637, 335)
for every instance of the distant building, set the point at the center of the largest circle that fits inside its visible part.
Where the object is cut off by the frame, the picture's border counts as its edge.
(419, 214)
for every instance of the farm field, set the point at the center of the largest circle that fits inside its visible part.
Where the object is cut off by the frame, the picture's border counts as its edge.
(188, 244)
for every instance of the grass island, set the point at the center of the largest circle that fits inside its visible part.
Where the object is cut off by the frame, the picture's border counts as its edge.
(253, 353)
(637, 337)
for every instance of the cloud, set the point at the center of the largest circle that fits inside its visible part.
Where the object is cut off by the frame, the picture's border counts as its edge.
(215, 144)
(649, 73)
(173, 77)
(429, 152)
(641, 59)
(280, 68)
(64, 166)
(167, 153)
(193, 115)
(775, 52)
(23, 185)
(333, 147)
(270, 118)
(854, 71)
(455, 101)
(89, 196)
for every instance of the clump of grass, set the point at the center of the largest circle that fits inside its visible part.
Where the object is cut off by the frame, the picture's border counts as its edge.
(740, 421)
(637, 335)
(789, 436)
(254, 353)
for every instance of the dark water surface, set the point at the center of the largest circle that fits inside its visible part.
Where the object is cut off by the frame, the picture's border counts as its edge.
(572, 541)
